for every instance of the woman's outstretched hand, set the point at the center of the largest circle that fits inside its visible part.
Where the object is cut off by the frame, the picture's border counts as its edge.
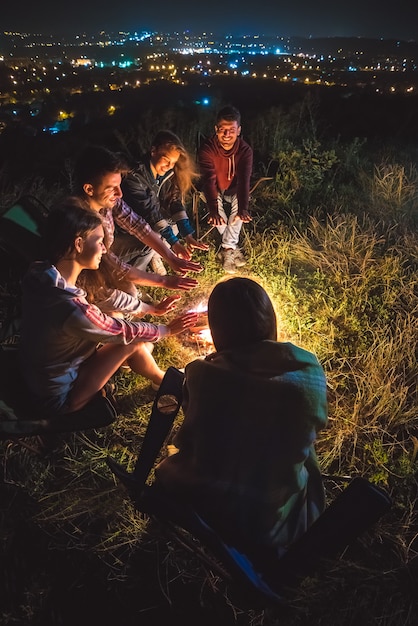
(182, 323)
(166, 305)
(193, 243)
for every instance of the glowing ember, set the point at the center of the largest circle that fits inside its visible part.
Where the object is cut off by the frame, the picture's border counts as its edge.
(202, 320)
(201, 330)
(205, 336)
(202, 307)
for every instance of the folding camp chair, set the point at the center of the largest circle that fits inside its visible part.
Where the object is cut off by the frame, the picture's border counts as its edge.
(21, 229)
(19, 419)
(358, 506)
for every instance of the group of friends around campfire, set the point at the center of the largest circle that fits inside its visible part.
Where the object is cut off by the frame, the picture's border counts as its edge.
(244, 455)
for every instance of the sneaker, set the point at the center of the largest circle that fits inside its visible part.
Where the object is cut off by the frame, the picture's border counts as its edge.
(239, 258)
(157, 265)
(229, 262)
(220, 256)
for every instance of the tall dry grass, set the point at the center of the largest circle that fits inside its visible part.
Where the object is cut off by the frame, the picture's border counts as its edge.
(343, 280)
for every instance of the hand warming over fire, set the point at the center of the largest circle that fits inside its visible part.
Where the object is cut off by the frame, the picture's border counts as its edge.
(179, 282)
(181, 251)
(165, 306)
(193, 243)
(182, 266)
(244, 216)
(216, 219)
(182, 323)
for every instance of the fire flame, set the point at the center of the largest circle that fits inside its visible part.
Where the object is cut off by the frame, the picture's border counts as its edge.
(201, 330)
(202, 307)
(205, 335)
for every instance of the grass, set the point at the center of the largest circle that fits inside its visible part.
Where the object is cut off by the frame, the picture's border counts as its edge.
(343, 280)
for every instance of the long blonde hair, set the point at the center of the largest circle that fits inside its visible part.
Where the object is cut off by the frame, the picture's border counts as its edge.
(185, 169)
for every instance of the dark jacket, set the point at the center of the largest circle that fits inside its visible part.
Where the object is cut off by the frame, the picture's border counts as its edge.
(246, 455)
(157, 201)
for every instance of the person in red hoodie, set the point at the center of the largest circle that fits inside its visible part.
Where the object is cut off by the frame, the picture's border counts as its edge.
(225, 162)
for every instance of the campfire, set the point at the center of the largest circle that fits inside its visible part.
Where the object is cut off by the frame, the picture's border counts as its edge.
(200, 333)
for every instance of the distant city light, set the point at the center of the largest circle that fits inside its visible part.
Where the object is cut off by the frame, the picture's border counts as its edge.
(99, 63)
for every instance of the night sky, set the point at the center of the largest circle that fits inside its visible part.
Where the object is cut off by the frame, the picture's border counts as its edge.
(316, 18)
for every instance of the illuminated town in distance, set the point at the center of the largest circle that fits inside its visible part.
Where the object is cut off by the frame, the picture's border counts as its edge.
(34, 67)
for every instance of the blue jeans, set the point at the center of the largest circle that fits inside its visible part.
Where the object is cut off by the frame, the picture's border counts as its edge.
(229, 232)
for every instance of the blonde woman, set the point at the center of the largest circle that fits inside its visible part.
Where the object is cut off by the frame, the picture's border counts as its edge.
(156, 189)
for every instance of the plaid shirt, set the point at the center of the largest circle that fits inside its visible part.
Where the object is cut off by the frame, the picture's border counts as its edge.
(60, 330)
(126, 218)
